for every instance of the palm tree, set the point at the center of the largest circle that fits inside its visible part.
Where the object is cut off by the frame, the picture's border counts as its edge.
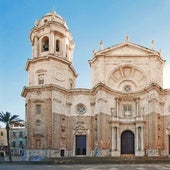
(8, 119)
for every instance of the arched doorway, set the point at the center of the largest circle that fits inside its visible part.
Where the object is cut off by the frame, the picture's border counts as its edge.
(127, 142)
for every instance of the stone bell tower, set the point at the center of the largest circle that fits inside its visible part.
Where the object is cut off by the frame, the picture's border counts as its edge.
(52, 53)
(50, 76)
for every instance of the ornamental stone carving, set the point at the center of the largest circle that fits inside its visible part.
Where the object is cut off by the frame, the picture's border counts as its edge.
(80, 129)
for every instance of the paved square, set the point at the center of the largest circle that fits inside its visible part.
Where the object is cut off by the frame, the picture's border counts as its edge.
(88, 167)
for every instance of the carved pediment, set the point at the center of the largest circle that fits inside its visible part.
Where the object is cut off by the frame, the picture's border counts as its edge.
(127, 49)
(127, 75)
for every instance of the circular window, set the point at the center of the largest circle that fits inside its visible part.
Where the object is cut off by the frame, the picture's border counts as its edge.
(45, 21)
(127, 88)
(80, 108)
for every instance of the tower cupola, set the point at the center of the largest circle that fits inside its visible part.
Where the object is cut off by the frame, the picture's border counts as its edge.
(51, 36)
(52, 53)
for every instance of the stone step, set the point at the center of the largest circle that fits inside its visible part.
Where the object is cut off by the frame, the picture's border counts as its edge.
(100, 160)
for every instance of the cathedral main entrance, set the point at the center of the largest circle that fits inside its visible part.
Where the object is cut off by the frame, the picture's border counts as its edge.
(80, 144)
(127, 142)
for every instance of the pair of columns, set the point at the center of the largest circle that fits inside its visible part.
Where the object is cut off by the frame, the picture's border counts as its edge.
(116, 141)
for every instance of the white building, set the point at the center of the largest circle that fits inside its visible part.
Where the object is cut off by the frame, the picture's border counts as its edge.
(17, 138)
(125, 112)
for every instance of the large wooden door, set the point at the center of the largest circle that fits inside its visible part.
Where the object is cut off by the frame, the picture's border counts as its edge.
(80, 144)
(127, 142)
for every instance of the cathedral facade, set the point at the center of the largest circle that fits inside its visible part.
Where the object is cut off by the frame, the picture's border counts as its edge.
(126, 112)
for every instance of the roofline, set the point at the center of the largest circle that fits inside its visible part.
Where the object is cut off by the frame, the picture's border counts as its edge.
(102, 52)
(128, 43)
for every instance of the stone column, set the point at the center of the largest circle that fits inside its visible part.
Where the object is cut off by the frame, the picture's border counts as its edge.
(139, 141)
(118, 139)
(117, 107)
(142, 143)
(52, 42)
(35, 48)
(137, 108)
(136, 138)
(63, 47)
(115, 151)
(112, 139)
(139, 138)
(137, 111)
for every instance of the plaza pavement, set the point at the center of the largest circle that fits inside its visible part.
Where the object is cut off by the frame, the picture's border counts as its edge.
(89, 163)
(87, 167)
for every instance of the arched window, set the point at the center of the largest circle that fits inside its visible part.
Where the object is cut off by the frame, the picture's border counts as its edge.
(45, 44)
(57, 45)
(41, 73)
(71, 85)
(38, 109)
(40, 79)
(38, 122)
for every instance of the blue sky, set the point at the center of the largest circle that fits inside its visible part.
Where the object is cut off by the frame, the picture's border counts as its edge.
(89, 22)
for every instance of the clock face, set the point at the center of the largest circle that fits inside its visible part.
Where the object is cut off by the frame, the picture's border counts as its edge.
(60, 76)
(80, 108)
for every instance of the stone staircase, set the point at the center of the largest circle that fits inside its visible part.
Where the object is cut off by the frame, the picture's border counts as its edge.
(110, 160)
(94, 160)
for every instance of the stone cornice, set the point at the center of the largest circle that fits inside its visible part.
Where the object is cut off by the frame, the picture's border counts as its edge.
(51, 87)
(155, 86)
(94, 90)
(47, 58)
(35, 29)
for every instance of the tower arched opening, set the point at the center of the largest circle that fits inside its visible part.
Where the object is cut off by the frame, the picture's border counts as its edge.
(45, 43)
